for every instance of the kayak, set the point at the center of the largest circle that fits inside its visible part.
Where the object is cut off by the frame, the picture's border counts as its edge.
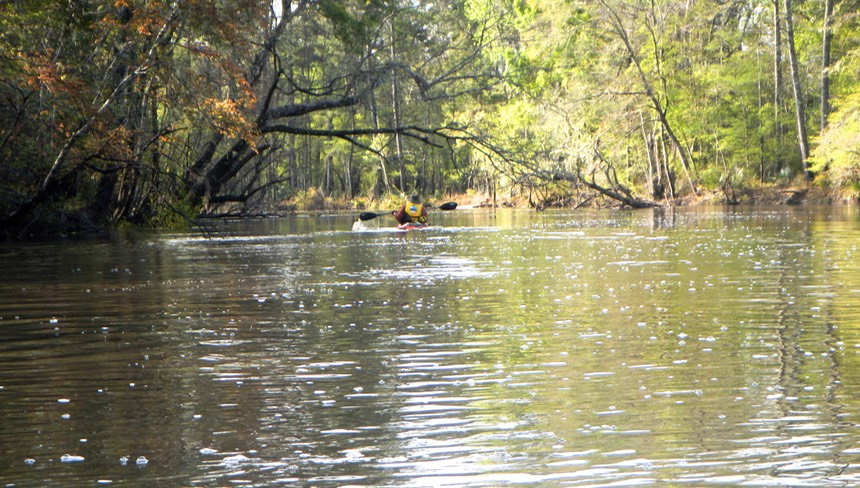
(412, 226)
(407, 227)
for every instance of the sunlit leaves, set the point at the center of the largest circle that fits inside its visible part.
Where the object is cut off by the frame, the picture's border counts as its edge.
(839, 146)
(227, 117)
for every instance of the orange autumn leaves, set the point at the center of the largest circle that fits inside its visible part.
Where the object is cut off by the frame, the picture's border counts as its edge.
(228, 117)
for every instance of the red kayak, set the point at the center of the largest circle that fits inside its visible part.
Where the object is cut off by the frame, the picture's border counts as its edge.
(412, 226)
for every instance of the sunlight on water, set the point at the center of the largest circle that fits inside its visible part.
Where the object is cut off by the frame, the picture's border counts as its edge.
(691, 347)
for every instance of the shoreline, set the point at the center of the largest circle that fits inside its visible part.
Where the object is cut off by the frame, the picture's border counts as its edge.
(775, 196)
(810, 195)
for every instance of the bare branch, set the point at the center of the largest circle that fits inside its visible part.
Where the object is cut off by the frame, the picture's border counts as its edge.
(295, 110)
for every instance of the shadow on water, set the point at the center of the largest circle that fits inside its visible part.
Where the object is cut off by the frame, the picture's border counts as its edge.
(685, 347)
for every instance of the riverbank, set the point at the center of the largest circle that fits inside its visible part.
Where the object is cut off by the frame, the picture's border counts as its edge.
(70, 224)
(763, 195)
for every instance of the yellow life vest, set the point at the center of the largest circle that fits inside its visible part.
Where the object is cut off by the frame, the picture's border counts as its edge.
(414, 210)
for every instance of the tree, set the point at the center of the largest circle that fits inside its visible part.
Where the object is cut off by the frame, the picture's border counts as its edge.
(188, 107)
(837, 152)
(82, 80)
(441, 69)
(826, 41)
(797, 89)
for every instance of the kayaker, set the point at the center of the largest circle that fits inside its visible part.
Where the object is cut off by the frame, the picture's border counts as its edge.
(411, 211)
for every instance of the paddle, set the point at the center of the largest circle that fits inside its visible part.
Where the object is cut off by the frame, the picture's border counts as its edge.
(373, 215)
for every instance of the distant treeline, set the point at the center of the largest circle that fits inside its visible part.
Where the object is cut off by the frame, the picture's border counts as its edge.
(156, 112)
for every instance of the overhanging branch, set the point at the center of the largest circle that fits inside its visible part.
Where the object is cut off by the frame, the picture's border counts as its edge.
(297, 109)
(415, 132)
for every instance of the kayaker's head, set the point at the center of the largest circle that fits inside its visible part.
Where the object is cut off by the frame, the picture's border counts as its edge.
(415, 199)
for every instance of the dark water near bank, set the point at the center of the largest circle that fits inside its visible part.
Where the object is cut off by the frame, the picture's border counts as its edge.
(694, 347)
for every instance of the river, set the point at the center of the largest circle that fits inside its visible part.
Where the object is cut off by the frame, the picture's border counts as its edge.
(674, 347)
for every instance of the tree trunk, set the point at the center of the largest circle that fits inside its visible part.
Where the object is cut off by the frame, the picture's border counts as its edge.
(374, 115)
(350, 188)
(827, 36)
(328, 176)
(667, 171)
(761, 137)
(799, 103)
(777, 87)
(655, 185)
(395, 101)
(656, 104)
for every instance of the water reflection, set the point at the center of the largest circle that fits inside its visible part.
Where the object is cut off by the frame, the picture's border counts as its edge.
(695, 347)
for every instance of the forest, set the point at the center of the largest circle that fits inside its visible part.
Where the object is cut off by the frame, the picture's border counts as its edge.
(156, 113)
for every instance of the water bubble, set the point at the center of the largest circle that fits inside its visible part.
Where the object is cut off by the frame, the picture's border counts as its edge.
(236, 459)
(70, 458)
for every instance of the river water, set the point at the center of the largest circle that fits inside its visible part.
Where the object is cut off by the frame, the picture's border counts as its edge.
(686, 347)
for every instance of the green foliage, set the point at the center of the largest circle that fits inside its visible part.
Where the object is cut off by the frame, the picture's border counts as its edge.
(311, 199)
(838, 151)
(349, 28)
(176, 216)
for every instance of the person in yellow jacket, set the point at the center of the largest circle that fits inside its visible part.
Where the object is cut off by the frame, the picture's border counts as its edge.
(411, 211)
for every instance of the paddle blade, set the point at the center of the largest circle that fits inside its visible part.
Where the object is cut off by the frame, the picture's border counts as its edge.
(448, 206)
(367, 215)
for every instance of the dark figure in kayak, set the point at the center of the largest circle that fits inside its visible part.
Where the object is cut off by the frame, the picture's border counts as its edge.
(411, 211)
